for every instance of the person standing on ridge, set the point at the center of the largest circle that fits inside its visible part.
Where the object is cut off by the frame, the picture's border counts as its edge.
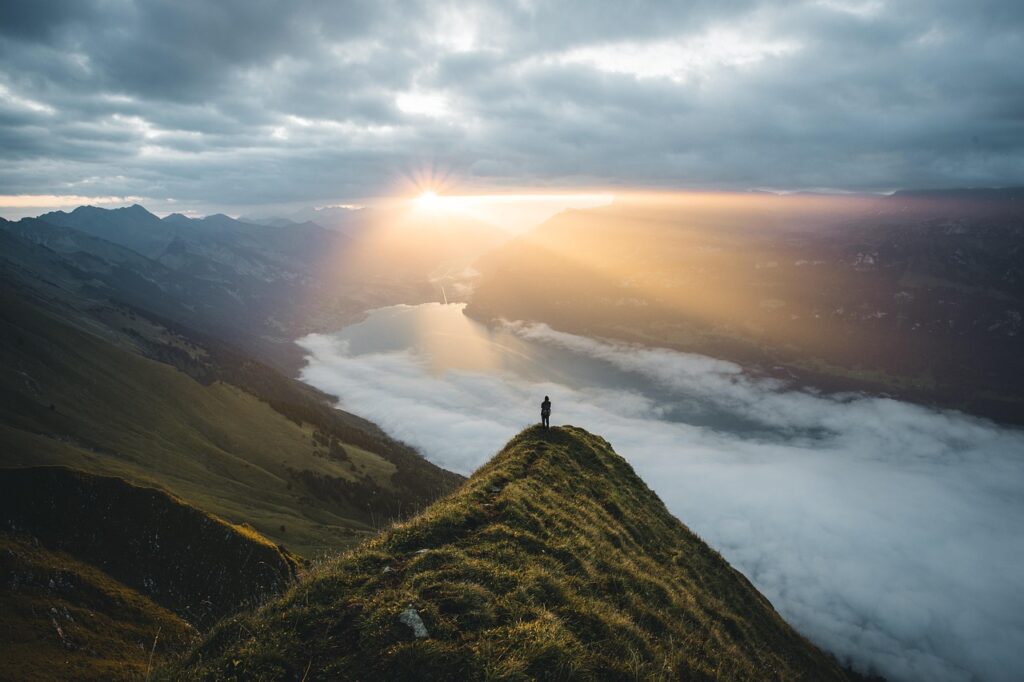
(545, 411)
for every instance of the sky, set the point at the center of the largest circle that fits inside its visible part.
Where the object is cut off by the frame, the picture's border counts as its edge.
(240, 104)
(886, 532)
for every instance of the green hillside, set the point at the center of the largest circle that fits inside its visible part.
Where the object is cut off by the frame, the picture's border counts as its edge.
(554, 561)
(74, 392)
(64, 619)
(190, 562)
(103, 580)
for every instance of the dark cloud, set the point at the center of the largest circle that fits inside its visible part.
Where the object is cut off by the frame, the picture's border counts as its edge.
(233, 103)
(42, 19)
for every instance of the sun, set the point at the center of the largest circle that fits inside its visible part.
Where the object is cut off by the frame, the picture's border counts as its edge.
(428, 200)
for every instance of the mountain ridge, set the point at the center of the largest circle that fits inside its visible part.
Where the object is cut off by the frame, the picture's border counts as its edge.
(553, 561)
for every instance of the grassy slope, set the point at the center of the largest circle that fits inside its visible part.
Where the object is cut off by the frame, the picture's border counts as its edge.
(216, 446)
(65, 619)
(553, 561)
(186, 560)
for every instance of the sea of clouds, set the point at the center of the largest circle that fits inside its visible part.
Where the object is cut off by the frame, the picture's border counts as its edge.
(890, 534)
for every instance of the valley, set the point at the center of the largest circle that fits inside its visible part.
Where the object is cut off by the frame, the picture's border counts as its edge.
(714, 353)
(917, 296)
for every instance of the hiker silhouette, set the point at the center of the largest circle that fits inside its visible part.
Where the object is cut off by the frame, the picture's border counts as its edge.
(545, 411)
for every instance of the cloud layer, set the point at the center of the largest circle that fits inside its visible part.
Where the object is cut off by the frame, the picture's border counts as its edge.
(886, 532)
(237, 103)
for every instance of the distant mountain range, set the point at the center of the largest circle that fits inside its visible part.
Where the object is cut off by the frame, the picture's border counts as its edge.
(345, 219)
(918, 295)
(255, 286)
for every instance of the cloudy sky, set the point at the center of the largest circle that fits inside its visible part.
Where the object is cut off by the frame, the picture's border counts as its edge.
(235, 103)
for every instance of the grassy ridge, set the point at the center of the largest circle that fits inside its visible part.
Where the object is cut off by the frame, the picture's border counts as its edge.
(554, 561)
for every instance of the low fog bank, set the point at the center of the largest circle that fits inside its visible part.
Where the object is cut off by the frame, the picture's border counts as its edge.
(888, 533)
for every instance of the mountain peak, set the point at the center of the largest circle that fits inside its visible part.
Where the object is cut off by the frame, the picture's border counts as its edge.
(554, 559)
(176, 218)
(131, 226)
(135, 210)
